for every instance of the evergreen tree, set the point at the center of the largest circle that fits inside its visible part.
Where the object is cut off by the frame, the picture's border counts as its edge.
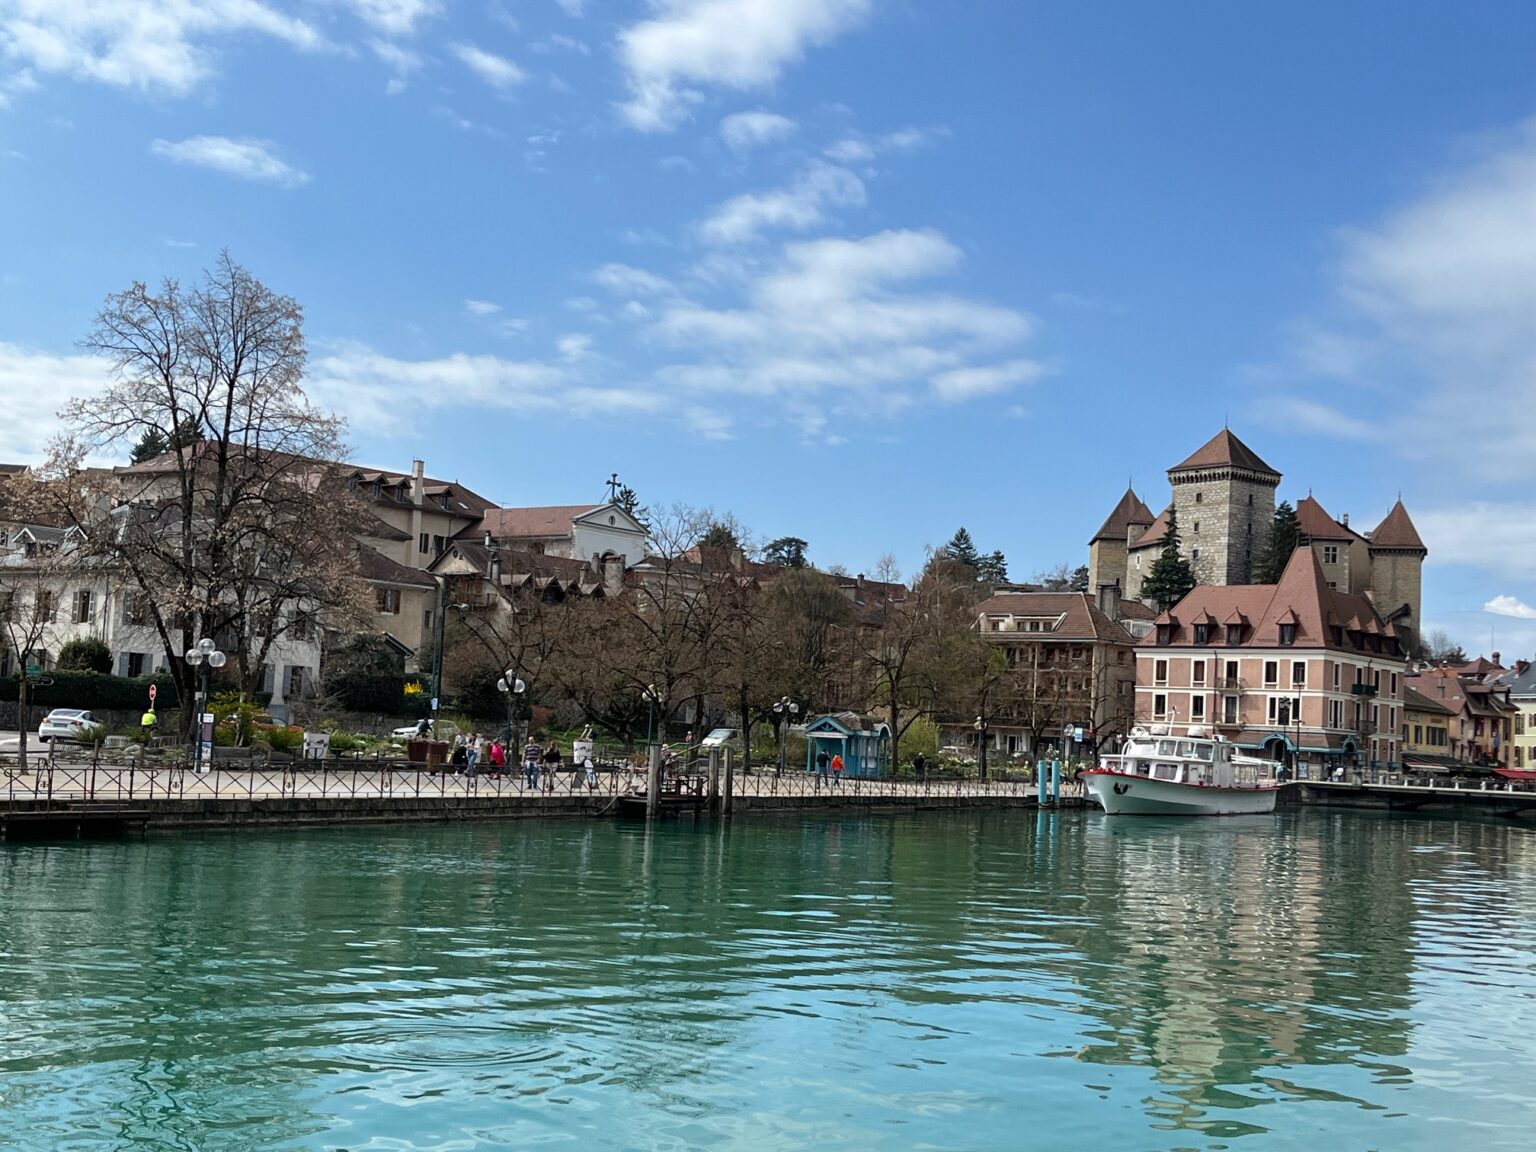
(720, 536)
(1079, 579)
(1171, 577)
(992, 568)
(1284, 536)
(788, 551)
(153, 443)
(962, 548)
(630, 503)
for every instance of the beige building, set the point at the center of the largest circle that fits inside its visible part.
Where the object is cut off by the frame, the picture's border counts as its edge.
(1426, 734)
(1296, 670)
(1223, 496)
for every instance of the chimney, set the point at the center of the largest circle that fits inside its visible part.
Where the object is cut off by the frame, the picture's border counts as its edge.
(1344, 519)
(1109, 599)
(418, 481)
(1496, 660)
(495, 569)
(487, 537)
(859, 580)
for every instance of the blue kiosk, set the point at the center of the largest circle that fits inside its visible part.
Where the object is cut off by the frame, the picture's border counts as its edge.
(864, 743)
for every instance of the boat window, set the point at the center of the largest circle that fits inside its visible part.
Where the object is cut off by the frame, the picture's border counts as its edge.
(1165, 748)
(1186, 749)
(1203, 752)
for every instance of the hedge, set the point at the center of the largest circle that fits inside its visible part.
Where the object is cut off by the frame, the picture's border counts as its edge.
(94, 690)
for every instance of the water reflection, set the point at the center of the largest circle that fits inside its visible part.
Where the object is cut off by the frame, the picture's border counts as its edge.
(932, 982)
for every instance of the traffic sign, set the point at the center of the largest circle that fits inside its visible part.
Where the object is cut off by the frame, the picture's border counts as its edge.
(151, 693)
(41, 681)
(34, 671)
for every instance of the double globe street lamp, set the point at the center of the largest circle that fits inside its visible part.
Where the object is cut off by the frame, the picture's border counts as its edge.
(512, 688)
(784, 712)
(204, 656)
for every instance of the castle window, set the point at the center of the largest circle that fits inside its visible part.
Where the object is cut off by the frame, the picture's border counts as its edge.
(1197, 527)
(1195, 554)
(1250, 499)
(1197, 497)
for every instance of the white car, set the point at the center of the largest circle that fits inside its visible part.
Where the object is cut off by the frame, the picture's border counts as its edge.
(67, 724)
(408, 731)
(719, 737)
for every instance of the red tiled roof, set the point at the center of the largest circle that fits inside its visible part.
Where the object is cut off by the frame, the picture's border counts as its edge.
(1129, 511)
(1397, 531)
(1302, 597)
(1224, 450)
(1082, 618)
(1416, 700)
(1315, 522)
(1156, 533)
(515, 523)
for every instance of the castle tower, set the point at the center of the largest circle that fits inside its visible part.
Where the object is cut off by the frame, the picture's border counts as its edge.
(1107, 549)
(1224, 495)
(1397, 565)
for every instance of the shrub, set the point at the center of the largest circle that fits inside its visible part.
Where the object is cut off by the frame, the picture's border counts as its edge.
(284, 739)
(85, 654)
(93, 690)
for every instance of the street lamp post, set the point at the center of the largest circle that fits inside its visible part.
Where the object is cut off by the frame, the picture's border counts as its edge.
(1066, 744)
(981, 746)
(512, 688)
(784, 712)
(204, 656)
(437, 654)
(651, 696)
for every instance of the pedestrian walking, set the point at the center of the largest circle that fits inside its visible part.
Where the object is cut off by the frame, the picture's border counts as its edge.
(552, 760)
(460, 754)
(823, 761)
(498, 757)
(472, 752)
(532, 754)
(837, 768)
(666, 763)
(920, 766)
(591, 775)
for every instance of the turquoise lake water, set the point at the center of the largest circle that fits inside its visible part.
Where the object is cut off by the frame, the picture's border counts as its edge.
(975, 981)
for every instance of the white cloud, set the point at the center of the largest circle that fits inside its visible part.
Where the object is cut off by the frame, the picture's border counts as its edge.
(385, 395)
(842, 317)
(149, 45)
(961, 384)
(481, 307)
(801, 205)
(245, 159)
(740, 45)
(172, 242)
(859, 149)
(497, 71)
(707, 423)
(627, 280)
(36, 385)
(574, 346)
(1298, 414)
(574, 8)
(402, 60)
(1499, 536)
(743, 131)
(394, 17)
(1510, 606)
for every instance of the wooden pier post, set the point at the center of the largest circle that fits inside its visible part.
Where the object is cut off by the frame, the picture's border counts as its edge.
(652, 781)
(714, 781)
(730, 780)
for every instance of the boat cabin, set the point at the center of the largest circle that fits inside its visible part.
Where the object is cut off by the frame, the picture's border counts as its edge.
(1193, 758)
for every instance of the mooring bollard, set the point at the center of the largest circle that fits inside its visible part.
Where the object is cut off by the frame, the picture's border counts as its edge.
(730, 781)
(653, 782)
(714, 781)
(1055, 783)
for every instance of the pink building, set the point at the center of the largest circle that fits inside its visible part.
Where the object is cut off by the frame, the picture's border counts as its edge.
(1296, 670)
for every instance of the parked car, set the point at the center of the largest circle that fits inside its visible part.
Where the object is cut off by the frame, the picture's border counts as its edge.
(409, 730)
(67, 724)
(719, 737)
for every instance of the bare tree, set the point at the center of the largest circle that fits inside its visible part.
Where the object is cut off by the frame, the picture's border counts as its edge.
(238, 528)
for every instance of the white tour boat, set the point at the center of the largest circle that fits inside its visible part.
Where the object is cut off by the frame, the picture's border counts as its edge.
(1160, 774)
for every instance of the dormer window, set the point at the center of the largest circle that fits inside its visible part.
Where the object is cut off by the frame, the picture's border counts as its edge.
(1234, 633)
(1287, 634)
(1202, 634)
(1165, 633)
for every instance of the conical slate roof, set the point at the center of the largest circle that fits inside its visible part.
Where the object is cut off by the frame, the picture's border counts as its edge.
(1129, 511)
(1224, 450)
(1397, 531)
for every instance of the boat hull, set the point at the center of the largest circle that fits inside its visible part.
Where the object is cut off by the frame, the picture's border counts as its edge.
(1121, 794)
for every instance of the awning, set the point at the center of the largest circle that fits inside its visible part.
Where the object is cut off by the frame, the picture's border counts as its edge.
(1515, 773)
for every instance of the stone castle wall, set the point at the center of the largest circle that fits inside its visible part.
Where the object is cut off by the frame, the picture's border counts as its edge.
(1224, 516)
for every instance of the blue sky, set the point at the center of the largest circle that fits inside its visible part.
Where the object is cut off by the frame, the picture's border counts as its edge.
(856, 270)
